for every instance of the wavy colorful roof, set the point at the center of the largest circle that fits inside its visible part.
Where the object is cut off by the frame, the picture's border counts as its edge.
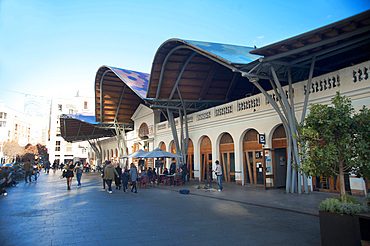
(137, 81)
(118, 92)
(198, 71)
(234, 54)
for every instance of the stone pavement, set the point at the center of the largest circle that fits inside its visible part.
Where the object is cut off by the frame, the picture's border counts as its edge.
(46, 213)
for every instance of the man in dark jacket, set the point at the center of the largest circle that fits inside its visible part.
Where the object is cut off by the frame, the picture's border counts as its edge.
(184, 172)
(27, 168)
(172, 168)
(102, 172)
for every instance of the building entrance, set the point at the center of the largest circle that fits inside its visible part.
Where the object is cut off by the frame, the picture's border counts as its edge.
(280, 167)
(254, 167)
(206, 158)
(253, 159)
(227, 158)
(190, 160)
(279, 145)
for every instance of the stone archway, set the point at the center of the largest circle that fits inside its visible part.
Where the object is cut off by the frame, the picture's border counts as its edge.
(252, 159)
(227, 156)
(190, 159)
(205, 158)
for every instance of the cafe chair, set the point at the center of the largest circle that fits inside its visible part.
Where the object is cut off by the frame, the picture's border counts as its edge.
(163, 180)
(177, 180)
(144, 183)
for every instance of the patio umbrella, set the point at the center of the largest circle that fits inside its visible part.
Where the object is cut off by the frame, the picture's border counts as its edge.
(158, 153)
(138, 154)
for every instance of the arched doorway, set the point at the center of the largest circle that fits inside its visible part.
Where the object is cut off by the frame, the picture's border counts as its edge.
(206, 157)
(227, 158)
(253, 159)
(135, 148)
(190, 160)
(279, 145)
(173, 151)
(162, 146)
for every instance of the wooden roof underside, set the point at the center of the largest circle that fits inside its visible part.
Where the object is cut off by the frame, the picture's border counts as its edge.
(110, 96)
(73, 130)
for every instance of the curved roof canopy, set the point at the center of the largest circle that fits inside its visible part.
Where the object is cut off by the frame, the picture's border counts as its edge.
(79, 127)
(334, 46)
(118, 93)
(197, 73)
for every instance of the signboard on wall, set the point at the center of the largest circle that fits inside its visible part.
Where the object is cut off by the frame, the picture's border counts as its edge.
(261, 139)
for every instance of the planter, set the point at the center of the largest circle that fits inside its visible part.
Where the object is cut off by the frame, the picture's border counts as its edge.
(336, 229)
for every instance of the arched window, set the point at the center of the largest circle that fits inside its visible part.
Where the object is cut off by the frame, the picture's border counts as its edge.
(143, 130)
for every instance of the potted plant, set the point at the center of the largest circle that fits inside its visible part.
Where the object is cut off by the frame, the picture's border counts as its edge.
(338, 225)
(333, 141)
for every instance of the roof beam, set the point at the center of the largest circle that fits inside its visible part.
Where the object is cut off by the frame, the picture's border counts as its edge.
(353, 44)
(318, 44)
(231, 86)
(120, 101)
(101, 94)
(181, 73)
(207, 84)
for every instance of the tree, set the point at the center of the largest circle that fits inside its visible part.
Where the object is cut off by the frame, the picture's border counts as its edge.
(30, 152)
(12, 149)
(328, 141)
(42, 150)
(362, 143)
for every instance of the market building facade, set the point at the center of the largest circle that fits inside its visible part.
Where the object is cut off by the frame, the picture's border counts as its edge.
(239, 105)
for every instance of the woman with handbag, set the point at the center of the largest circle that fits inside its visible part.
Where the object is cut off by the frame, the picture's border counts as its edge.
(69, 174)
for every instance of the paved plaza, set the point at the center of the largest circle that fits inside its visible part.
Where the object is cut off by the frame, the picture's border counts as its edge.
(46, 213)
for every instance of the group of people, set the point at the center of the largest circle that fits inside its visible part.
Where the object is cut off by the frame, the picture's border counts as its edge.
(114, 172)
(31, 169)
(69, 171)
(121, 178)
(181, 171)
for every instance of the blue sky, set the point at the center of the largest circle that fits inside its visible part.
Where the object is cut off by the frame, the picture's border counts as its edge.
(54, 48)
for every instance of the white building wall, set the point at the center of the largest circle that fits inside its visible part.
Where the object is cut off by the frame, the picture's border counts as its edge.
(67, 151)
(256, 113)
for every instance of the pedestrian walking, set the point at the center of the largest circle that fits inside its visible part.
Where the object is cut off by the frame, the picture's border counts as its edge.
(47, 166)
(102, 172)
(133, 176)
(54, 166)
(125, 177)
(218, 172)
(27, 169)
(36, 169)
(69, 174)
(109, 174)
(117, 180)
(79, 171)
